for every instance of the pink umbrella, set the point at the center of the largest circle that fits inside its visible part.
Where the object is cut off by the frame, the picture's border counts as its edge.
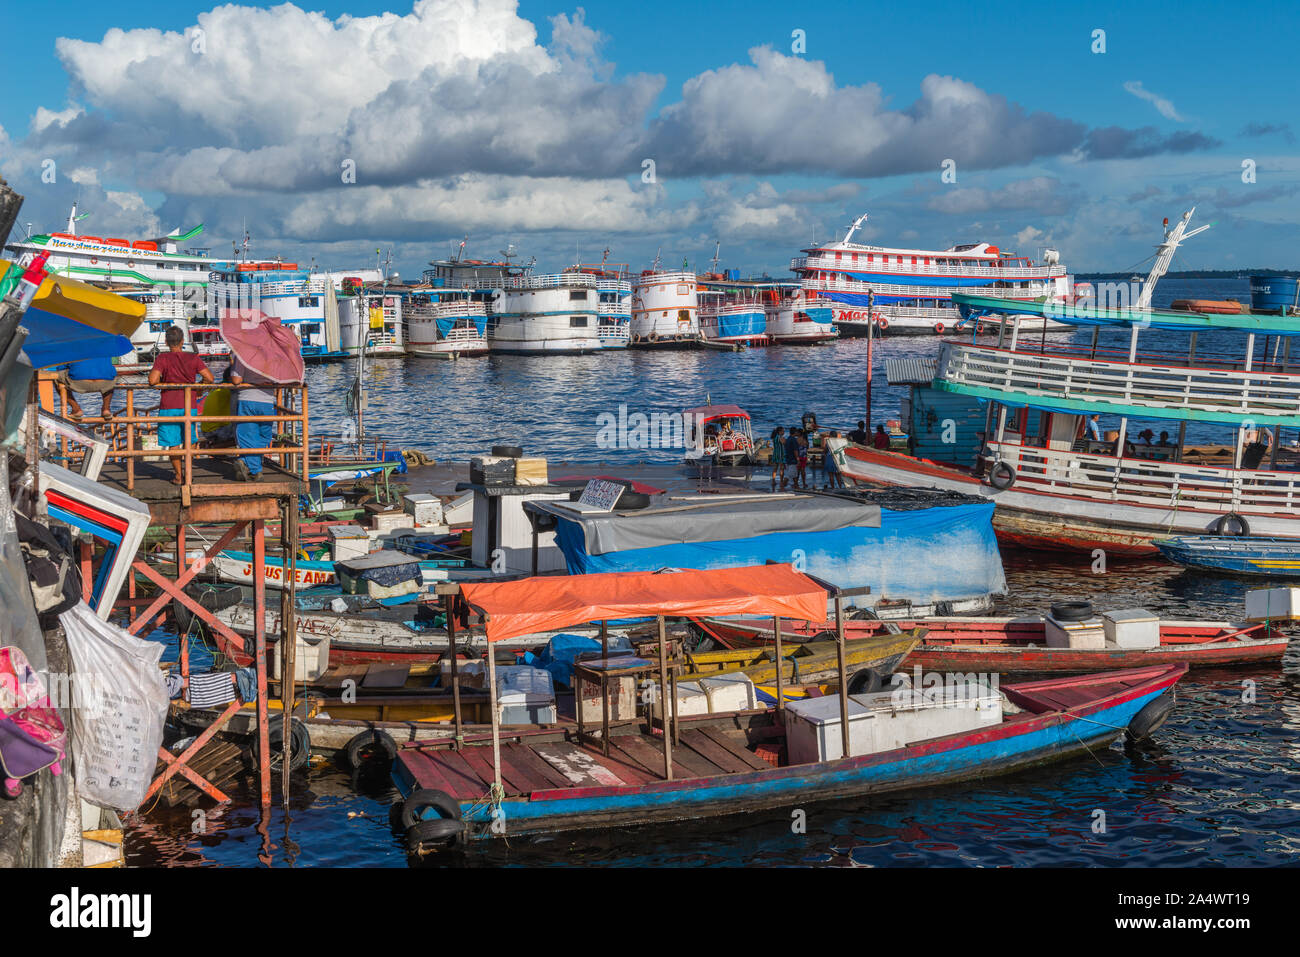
(263, 345)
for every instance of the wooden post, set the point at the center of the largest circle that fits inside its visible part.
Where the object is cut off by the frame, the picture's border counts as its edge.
(496, 723)
(844, 680)
(288, 631)
(604, 690)
(663, 700)
(780, 683)
(259, 652)
(448, 603)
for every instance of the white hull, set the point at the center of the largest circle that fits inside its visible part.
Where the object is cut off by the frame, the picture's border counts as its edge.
(240, 572)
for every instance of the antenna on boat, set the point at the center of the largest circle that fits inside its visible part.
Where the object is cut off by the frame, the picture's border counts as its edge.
(1165, 255)
(717, 252)
(654, 266)
(460, 251)
(508, 252)
(854, 228)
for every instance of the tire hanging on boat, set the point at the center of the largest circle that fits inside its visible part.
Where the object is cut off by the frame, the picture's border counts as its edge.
(1224, 523)
(1151, 718)
(300, 742)
(1002, 476)
(362, 748)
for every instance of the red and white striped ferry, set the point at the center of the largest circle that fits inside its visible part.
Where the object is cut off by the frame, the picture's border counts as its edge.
(909, 291)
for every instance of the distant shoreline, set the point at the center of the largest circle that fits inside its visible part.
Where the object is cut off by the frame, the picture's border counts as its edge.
(1194, 274)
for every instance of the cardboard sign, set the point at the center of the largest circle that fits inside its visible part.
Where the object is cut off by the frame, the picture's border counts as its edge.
(601, 494)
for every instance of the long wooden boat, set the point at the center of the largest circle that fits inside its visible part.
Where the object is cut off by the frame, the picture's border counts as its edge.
(1018, 645)
(1235, 554)
(559, 787)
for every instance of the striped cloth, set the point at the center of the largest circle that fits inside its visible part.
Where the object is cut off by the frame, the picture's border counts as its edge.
(212, 689)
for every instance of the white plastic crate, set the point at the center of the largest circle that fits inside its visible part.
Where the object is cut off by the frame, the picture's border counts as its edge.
(1273, 603)
(812, 729)
(1133, 629)
(729, 693)
(525, 695)
(691, 699)
(1085, 635)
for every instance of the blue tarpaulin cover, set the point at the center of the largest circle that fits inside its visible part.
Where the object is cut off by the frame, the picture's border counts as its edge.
(53, 340)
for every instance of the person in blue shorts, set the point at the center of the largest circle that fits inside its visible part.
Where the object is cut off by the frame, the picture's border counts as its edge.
(176, 367)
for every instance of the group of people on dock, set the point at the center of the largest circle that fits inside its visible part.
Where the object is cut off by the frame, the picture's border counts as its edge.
(790, 454)
(178, 367)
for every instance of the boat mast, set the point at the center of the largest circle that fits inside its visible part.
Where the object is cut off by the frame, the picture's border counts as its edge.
(854, 228)
(1165, 255)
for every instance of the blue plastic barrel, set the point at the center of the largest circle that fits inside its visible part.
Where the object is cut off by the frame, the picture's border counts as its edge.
(1273, 293)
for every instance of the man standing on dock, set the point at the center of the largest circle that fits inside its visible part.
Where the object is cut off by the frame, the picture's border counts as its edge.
(251, 435)
(176, 367)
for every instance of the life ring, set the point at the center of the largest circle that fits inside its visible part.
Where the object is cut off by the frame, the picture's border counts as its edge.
(882, 323)
(1221, 525)
(654, 336)
(938, 328)
(1002, 476)
(1151, 718)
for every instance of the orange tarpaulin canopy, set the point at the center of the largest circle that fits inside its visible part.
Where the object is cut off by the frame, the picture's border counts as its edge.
(530, 605)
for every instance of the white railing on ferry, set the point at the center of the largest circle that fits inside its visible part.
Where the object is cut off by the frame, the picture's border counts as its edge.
(1149, 482)
(922, 269)
(443, 310)
(1031, 291)
(1232, 392)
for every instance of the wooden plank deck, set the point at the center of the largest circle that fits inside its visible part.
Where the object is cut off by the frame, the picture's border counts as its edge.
(215, 495)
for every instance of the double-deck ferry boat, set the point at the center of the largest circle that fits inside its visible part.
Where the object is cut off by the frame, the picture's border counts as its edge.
(1011, 422)
(302, 300)
(732, 311)
(796, 317)
(665, 310)
(613, 301)
(445, 323)
(370, 320)
(160, 260)
(909, 291)
(547, 313)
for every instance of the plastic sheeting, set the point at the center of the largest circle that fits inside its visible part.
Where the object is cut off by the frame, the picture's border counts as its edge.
(18, 624)
(682, 523)
(925, 554)
(531, 605)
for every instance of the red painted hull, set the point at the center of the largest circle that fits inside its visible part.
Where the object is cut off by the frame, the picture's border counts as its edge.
(1017, 646)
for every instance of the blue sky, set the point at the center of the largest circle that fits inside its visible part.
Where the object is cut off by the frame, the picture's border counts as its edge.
(492, 119)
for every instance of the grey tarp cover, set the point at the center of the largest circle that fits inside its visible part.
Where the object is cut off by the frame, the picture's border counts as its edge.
(676, 523)
(386, 567)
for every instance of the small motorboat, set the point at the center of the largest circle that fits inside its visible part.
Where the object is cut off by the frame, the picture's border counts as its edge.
(718, 437)
(1234, 554)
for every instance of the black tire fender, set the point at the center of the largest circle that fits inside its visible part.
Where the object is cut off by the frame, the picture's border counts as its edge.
(1002, 476)
(441, 833)
(1223, 523)
(508, 451)
(300, 741)
(370, 739)
(866, 681)
(421, 799)
(1151, 718)
(1072, 610)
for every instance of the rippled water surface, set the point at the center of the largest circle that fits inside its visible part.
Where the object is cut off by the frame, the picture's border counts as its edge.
(1218, 785)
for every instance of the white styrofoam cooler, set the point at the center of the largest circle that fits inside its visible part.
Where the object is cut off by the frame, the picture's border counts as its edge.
(310, 659)
(729, 693)
(905, 717)
(1132, 628)
(691, 699)
(622, 699)
(348, 541)
(423, 508)
(525, 695)
(812, 729)
(1089, 634)
(1273, 603)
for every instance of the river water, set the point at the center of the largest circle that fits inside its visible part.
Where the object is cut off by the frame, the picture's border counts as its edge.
(1217, 786)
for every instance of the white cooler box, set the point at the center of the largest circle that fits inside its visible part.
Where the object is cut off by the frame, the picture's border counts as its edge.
(310, 659)
(424, 509)
(1088, 635)
(525, 695)
(1132, 628)
(348, 541)
(904, 717)
(812, 729)
(1276, 604)
(729, 693)
(691, 699)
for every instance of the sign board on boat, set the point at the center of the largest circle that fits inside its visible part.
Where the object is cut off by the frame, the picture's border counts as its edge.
(601, 494)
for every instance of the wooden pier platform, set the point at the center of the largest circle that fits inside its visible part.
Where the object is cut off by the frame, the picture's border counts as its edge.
(216, 494)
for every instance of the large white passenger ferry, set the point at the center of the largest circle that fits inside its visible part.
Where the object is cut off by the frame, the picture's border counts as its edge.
(301, 300)
(556, 312)
(909, 291)
(139, 262)
(444, 323)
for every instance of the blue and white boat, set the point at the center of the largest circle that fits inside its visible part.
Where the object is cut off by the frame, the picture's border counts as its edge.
(1234, 554)
(302, 300)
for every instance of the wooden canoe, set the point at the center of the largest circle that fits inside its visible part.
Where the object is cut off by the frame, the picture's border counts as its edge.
(1018, 645)
(562, 786)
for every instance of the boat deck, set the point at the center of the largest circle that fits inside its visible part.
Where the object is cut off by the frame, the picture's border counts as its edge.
(214, 495)
(635, 758)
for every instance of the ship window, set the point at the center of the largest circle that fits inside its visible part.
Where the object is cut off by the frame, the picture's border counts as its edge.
(913, 260)
(577, 295)
(855, 257)
(577, 322)
(308, 302)
(838, 256)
